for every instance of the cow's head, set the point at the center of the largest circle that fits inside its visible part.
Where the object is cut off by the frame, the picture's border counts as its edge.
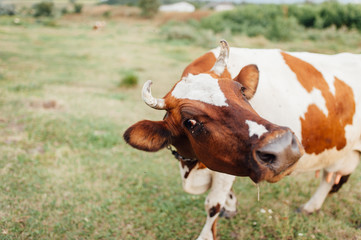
(208, 117)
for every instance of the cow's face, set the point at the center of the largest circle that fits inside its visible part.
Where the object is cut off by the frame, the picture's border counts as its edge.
(209, 118)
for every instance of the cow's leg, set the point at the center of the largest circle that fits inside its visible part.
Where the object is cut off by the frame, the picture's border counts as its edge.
(332, 180)
(320, 195)
(345, 171)
(215, 201)
(230, 207)
(196, 178)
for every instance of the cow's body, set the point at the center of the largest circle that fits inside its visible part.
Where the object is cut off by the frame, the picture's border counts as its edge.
(317, 96)
(287, 103)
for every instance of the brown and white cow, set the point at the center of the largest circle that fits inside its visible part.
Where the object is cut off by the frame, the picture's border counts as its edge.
(217, 115)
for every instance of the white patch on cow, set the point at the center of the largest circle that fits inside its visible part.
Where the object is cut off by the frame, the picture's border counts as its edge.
(255, 128)
(201, 87)
(319, 100)
(357, 146)
(197, 181)
(184, 169)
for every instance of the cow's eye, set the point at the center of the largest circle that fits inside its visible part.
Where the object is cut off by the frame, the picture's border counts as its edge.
(190, 123)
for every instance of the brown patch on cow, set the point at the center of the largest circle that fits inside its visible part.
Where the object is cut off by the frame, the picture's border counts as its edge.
(338, 186)
(320, 132)
(201, 166)
(190, 166)
(201, 65)
(204, 64)
(224, 76)
(214, 229)
(214, 210)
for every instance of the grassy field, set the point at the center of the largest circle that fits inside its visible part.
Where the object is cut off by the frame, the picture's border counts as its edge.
(65, 171)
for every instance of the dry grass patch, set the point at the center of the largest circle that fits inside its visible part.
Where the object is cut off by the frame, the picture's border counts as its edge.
(164, 17)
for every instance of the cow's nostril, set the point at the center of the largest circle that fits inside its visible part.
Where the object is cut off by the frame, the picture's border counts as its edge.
(266, 157)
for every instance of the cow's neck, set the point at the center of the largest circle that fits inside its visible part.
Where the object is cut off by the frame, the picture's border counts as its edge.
(180, 157)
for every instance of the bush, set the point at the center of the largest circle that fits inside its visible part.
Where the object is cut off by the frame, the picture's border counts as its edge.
(129, 79)
(50, 22)
(26, 11)
(327, 14)
(306, 15)
(64, 11)
(120, 2)
(7, 10)
(43, 9)
(189, 32)
(252, 20)
(78, 7)
(107, 14)
(216, 22)
(275, 22)
(282, 29)
(149, 7)
(333, 14)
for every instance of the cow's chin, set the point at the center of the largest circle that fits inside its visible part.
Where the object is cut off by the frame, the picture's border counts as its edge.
(277, 177)
(266, 174)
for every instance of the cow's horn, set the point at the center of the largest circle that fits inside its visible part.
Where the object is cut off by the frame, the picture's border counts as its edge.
(149, 99)
(221, 62)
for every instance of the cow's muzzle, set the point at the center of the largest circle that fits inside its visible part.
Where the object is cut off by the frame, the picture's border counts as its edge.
(278, 155)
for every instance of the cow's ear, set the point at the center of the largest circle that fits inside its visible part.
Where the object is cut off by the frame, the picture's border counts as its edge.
(148, 135)
(248, 77)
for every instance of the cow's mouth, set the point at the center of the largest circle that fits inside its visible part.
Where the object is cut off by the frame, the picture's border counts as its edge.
(284, 172)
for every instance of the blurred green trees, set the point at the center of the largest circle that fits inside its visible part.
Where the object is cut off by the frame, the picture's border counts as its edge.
(282, 22)
(149, 7)
(44, 9)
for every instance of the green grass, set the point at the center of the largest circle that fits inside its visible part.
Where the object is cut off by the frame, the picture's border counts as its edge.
(129, 79)
(66, 172)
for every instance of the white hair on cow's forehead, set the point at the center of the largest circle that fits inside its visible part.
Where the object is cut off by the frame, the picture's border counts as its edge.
(255, 128)
(201, 87)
